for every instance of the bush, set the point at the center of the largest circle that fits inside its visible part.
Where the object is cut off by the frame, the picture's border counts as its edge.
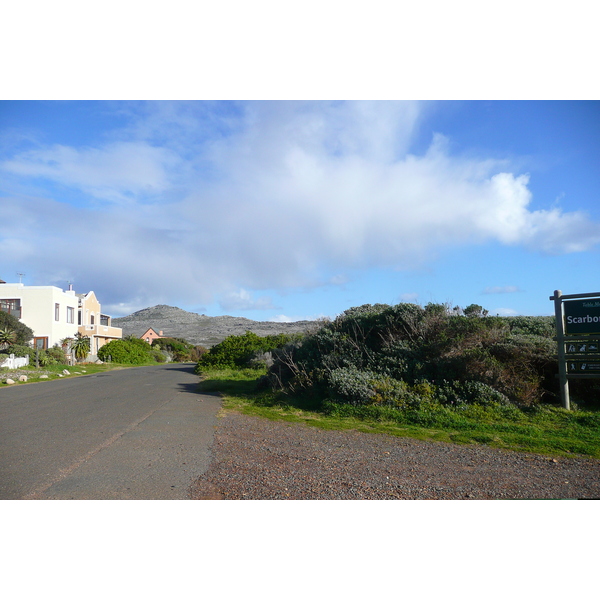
(20, 350)
(457, 393)
(56, 354)
(127, 351)
(366, 387)
(239, 350)
(45, 358)
(407, 355)
(180, 349)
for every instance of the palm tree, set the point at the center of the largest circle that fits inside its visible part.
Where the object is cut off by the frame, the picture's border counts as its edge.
(80, 345)
(7, 337)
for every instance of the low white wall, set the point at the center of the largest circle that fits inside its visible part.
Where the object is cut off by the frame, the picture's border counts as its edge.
(14, 362)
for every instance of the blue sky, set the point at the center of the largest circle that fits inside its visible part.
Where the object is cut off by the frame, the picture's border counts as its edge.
(287, 210)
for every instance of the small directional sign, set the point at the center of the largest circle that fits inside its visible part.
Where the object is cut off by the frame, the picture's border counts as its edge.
(584, 367)
(582, 347)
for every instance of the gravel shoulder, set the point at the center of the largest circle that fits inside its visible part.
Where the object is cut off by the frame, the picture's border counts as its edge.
(259, 459)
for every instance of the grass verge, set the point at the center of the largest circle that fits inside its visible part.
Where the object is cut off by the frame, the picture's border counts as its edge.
(53, 372)
(541, 430)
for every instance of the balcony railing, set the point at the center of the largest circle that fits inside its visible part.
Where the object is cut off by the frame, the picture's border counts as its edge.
(105, 330)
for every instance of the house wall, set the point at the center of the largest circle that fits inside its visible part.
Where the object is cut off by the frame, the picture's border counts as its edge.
(150, 336)
(38, 309)
(91, 323)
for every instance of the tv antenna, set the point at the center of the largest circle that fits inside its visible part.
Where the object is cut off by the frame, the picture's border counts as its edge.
(21, 275)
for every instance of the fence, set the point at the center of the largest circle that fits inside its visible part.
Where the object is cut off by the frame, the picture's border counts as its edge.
(14, 362)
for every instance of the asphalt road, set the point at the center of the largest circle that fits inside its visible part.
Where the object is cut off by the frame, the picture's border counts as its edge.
(140, 433)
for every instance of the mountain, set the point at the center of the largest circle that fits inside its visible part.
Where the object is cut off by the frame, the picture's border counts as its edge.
(199, 329)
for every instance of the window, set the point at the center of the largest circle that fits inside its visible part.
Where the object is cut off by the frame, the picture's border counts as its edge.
(57, 312)
(78, 317)
(70, 314)
(92, 319)
(11, 306)
(41, 343)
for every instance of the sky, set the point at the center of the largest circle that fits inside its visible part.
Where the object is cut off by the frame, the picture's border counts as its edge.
(288, 210)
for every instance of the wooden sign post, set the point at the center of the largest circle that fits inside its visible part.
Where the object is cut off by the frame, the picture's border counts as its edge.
(577, 337)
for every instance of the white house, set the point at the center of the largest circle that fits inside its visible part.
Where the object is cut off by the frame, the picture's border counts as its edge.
(54, 314)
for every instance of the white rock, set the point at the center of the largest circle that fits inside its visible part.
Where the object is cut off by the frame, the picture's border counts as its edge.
(60, 374)
(9, 381)
(43, 376)
(66, 372)
(23, 378)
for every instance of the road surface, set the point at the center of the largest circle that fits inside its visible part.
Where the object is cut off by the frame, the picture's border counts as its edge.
(140, 433)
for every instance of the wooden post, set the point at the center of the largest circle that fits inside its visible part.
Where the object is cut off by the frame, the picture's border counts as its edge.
(560, 338)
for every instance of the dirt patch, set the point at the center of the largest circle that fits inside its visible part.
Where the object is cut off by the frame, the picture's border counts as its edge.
(258, 459)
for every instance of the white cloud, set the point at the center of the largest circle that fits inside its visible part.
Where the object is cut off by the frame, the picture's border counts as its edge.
(282, 319)
(286, 319)
(243, 300)
(504, 312)
(273, 195)
(114, 171)
(409, 297)
(339, 279)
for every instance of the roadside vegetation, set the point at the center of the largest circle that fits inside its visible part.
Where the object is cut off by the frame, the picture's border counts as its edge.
(433, 372)
(55, 371)
(53, 362)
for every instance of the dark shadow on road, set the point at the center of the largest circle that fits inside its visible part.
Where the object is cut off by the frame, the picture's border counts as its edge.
(185, 367)
(194, 388)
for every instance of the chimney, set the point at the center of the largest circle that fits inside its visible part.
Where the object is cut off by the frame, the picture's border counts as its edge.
(160, 333)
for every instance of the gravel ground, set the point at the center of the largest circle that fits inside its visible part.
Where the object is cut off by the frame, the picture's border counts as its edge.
(258, 459)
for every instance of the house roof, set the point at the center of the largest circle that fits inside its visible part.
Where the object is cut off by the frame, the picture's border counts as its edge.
(151, 329)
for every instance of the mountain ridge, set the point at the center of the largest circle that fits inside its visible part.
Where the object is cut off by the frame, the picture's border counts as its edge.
(199, 329)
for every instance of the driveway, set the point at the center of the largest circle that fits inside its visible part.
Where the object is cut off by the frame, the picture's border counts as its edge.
(139, 433)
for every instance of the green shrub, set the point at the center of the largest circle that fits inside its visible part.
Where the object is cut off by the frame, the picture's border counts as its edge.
(239, 350)
(407, 355)
(45, 358)
(180, 349)
(127, 351)
(20, 350)
(52, 356)
(457, 393)
(541, 326)
(350, 385)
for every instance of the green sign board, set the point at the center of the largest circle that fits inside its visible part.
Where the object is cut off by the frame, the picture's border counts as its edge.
(582, 317)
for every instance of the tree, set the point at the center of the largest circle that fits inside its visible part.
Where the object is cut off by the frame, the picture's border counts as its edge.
(474, 310)
(7, 338)
(80, 345)
(23, 334)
